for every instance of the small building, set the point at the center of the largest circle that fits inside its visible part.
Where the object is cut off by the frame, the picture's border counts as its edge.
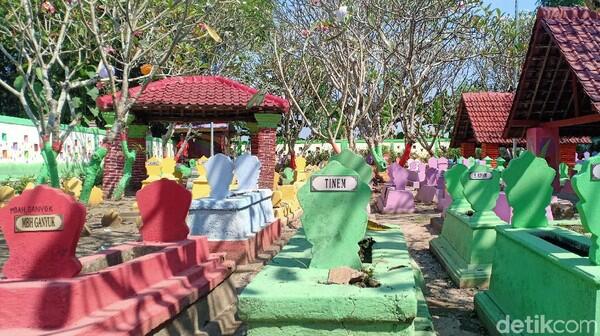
(480, 123)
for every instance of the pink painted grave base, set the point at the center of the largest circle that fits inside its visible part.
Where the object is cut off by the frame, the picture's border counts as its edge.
(130, 298)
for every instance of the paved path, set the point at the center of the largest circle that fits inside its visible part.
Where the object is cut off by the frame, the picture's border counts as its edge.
(450, 307)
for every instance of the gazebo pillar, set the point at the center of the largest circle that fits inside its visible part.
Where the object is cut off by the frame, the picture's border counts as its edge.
(548, 139)
(136, 138)
(113, 167)
(567, 154)
(467, 149)
(490, 149)
(263, 139)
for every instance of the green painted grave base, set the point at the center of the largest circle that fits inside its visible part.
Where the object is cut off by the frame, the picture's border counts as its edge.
(532, 276)
(465, 248)
(288, 298)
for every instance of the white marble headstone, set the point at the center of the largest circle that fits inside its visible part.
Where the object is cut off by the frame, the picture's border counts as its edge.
(247, 171)
(219, 173)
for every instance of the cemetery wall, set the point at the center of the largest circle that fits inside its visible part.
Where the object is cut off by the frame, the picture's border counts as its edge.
(20, 148)
(396, 144)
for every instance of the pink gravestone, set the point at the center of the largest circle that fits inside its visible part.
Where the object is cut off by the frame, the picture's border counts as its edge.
(428, 188)
(164, 206)
(504, 211)
(398, 200)
(432, 162)
(442, 164)
(42, 228)
(443, 197)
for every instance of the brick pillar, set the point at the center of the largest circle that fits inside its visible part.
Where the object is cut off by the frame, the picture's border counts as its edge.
(491, 150)
(467, 149)
(567, 154)
(113, 167)
(263, 142)
(136, 139)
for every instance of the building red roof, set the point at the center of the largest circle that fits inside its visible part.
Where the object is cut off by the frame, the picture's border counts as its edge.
(481, 118)
(196, 94)
(560, 80)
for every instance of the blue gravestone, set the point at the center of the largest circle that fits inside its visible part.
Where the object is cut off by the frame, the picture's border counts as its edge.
(247, 171)
(219, 173)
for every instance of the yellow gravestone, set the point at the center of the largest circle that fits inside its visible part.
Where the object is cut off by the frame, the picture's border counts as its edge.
(288, 196)
(29, 186)
(168, 168)
(300, 169)
(96, 196)
(153, 170)
(201, 188)
(73, 187)
(6, 193)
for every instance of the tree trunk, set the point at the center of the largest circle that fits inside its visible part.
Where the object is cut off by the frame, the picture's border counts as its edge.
(127, 169)
(292, 152)
(406, 154)
(335, 146)
(50, 167)
(92, 171)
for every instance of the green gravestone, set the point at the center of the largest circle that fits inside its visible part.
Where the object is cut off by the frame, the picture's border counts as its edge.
(455, 188)
(481, 186)
(488, 161)
(500, 163)
(529, 190)
(563, 173)
(287, 176)
(587, 186)
(471, 162)
(351, 160)
(334, 215)
(465, 247)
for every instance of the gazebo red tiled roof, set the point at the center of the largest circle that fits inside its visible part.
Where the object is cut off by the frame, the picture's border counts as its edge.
(560, 81)
(481, 118)
(197, 98)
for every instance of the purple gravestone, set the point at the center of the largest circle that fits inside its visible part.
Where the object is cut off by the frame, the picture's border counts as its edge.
(443, 197)
(432, 162)
(443, 164)
(416, 174)
(504, 211)
(394, 173)
(428, 189)
(398, 200)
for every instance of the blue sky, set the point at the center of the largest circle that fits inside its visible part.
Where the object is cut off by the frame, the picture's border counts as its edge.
(509, 5)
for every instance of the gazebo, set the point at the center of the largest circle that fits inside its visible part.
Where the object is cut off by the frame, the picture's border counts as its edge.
(559, 89)
(480, 122)
(199, 99)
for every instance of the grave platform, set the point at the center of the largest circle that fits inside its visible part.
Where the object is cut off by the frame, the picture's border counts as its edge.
(241, 225)
(288, 298)
(130, 289)
(465, 247)
(543, 271)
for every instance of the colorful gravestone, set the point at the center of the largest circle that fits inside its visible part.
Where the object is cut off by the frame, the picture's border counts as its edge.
(200, 187)
(432, 162)
(153, 170)
(247, 171)
(6, 194)
(351, 160)
(168, 167)
(300, 173)
(455, 188)
(587, 187)
(443, 164)
(443, 197)
(42, 228)
(397, 199)
(334, 235)
(163, 217)
(287, 176)
(96, 196)
(466, 245)
(548, 264)
(73, 187)
(529, 190)
(563, 172)
(428, 188)
(219, 173)
(500, 163)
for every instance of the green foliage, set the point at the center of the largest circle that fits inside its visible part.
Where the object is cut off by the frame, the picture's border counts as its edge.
(19, 184)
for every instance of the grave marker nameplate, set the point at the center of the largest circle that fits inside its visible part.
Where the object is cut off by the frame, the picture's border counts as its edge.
(333, 183)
